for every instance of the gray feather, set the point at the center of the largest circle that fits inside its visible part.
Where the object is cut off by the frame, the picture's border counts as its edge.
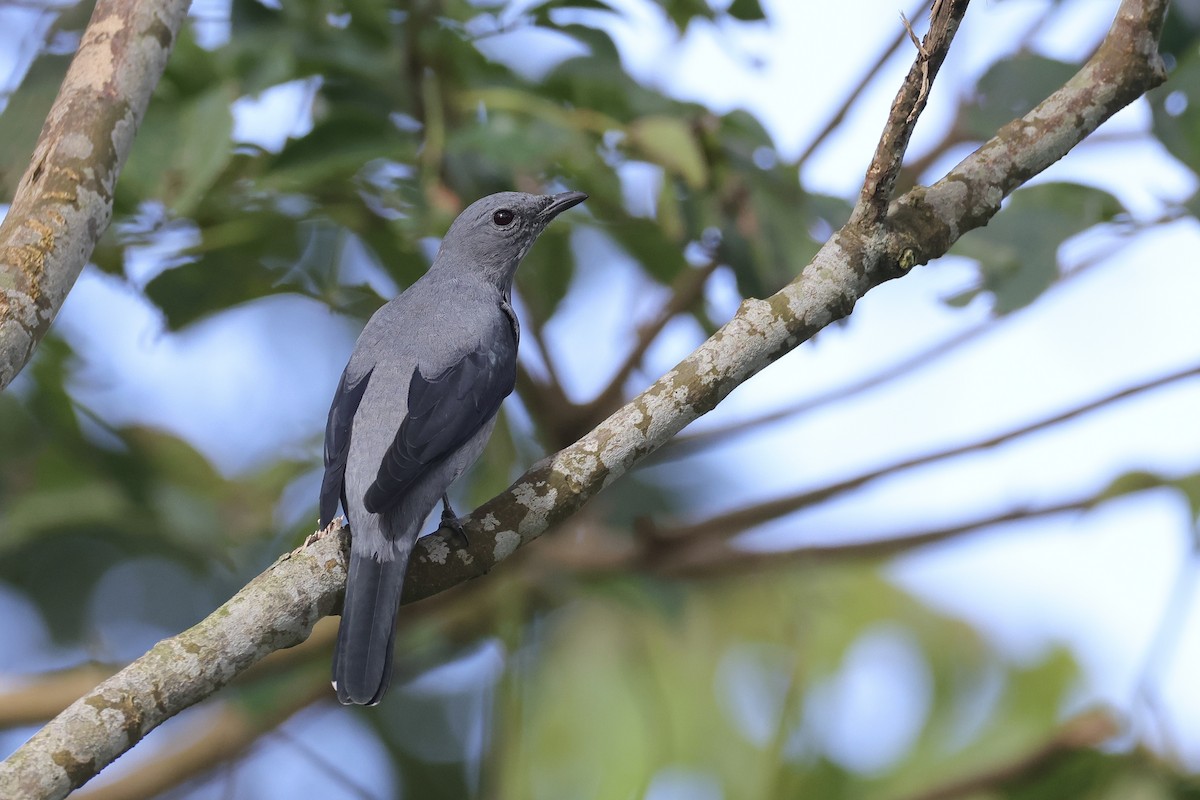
(414, 408)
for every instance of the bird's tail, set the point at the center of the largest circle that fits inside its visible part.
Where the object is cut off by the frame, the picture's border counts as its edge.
(362, 659)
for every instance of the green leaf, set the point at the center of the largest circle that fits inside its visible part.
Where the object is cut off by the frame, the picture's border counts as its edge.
(1189, 485)
(23, 117)
(1131, 483)
(597, 81)
(681, 12)
(668, 142)
(541, 13)
(335, 149)
(1009, 89)
(1176, 111)
(769, 242)
(181, 149)
(746, 10)
(643, 239)
(1181, 32)
(262, 254)
(223, 276)
(1017, 251)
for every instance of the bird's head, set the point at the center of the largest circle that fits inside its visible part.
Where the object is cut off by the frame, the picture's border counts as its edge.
(494, 233)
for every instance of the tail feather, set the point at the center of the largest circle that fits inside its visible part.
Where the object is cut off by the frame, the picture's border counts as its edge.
(362, 659)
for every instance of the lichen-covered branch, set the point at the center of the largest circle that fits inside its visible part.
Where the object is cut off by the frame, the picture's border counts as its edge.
(919, 226)
(279, 608)
(63, 202)
(226, 735)
(687, 291)
(1125, 67)
(880, 183)
(32, 702)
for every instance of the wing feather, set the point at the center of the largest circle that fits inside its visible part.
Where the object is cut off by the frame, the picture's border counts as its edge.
(337, 442)
(444, 412)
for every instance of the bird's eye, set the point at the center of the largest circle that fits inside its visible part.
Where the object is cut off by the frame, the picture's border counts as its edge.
(503, 217)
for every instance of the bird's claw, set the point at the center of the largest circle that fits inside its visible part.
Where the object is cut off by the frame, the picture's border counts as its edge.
(451, 529)
(335, 525)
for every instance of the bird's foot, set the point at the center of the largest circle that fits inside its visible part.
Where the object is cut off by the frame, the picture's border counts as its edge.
(451, 527)
(335, 525)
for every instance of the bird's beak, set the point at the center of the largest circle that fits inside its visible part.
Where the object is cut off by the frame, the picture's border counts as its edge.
(560, 203)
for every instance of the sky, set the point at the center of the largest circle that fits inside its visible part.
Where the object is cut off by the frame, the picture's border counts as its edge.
(1098, 582)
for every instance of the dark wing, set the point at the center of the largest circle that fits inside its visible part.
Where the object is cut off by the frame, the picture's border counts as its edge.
(444, 412)
(337, 443)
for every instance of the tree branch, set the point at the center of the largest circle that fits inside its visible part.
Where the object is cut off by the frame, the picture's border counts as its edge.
(700, 558)
(278, 608)
(38, 701)
(852, 97)
(910, 101)
(1125, 66)
(687, 291)
(224, 737)
(688, 443)
(739, 520)
(64, 201)
(43, 697)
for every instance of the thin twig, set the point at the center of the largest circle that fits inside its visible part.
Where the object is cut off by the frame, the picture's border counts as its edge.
(547, 400)
(880, 182)
(687, 444)
(318, 759)
(715, 556)
(539, 339)
(1088, 730)
(1025, 42)
(735, 522)
(850, 99)
(1164, 645)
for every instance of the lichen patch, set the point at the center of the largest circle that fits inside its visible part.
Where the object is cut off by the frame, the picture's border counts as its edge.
(437, 549)
(506, 543)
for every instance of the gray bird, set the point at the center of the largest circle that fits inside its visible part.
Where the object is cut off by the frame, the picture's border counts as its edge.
(414, 408)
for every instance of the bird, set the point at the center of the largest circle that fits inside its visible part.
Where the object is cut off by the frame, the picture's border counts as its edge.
(414, 408)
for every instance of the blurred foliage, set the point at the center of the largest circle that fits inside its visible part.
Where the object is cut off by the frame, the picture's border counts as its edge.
(613, 685)
(1017, 251)
(1010, 89)
(713, 686)
(78, 498)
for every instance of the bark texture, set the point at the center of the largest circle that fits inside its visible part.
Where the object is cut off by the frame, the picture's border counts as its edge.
(64, 200)
(277, 609)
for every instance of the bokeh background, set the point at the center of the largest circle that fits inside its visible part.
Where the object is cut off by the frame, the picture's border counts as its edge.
(946, 549)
